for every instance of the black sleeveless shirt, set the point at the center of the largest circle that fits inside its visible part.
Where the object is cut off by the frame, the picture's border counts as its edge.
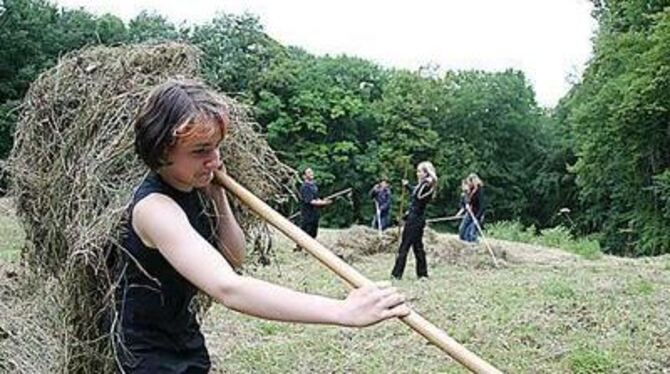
(155, 300)
(421, 195)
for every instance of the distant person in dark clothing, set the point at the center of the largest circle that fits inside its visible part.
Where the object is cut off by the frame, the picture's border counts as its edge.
(462, 210)
(381, 195)
(310, 204)
(474, 208)
(415, 222)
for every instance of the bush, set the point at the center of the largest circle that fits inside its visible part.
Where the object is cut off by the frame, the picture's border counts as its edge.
(511, 230)
(587, 248)
(8, 116)
(8, 112)
(557, 237)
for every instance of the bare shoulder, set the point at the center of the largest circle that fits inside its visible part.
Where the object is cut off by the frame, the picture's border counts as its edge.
(156, 213)
(156, 205)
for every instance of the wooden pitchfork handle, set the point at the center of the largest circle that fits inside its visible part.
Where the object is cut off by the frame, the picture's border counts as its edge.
(479, 228)
(338, 194)
(350, 275)
(442, 219)
(333, 196)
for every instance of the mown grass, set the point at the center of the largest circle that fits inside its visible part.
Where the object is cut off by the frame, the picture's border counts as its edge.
(598, 316)
(11, 233)
(590, 317)
(590, 360)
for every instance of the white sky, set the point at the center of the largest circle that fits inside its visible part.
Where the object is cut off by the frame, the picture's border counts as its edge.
(547, 39)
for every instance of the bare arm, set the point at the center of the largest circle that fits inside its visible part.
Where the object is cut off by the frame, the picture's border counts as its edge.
(162, 224)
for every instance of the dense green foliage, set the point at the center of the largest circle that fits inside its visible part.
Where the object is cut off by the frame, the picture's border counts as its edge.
(353, 121)
(601, 152)
(33, 34)
(619, 126)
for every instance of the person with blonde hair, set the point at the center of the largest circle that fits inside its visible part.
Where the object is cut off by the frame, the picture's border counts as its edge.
(462, 211)
(172, 250)
(474, 208)
(415, 221)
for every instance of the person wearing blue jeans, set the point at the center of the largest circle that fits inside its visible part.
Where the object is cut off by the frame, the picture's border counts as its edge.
(381, 194)
(472, 204)
(462, 211)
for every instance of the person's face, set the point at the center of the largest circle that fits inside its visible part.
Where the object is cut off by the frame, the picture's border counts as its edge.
(420, 174)
(384, 184)
(309, 174)
(192, 161)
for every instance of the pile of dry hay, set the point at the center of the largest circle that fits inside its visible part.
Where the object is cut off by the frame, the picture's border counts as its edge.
(73, 171)
(361, 241)
(355, 243)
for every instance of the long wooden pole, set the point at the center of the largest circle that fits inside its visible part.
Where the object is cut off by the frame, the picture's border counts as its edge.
(401, 208)
(479, 228)
(378, 214)
(350, 275)
(442, 219)
(332, 196)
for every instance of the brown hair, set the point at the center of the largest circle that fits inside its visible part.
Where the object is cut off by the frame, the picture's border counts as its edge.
(172, 112)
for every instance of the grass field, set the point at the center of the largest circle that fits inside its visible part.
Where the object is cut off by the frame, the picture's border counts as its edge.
(608, 315)
(583, 316)
(11, 235)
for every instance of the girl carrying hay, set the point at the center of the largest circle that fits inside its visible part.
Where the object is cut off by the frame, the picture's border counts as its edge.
(415, 222)
(172, 249)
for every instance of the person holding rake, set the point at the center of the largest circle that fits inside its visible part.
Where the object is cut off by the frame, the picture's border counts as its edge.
(172, 249)
(415, 221)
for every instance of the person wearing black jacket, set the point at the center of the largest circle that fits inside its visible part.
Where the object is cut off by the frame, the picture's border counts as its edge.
(310, 204)
(474, 208)
(415, 222)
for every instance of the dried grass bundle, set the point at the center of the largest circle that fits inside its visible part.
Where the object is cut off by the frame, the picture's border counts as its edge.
(364, 241)
(73, 171)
